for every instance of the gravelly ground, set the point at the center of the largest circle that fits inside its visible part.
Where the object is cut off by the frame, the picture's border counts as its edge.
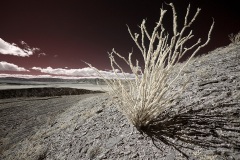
(22, 117)
(205, 118)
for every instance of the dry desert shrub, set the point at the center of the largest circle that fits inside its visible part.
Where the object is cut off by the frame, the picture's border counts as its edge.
(235, 38)
(145, 97)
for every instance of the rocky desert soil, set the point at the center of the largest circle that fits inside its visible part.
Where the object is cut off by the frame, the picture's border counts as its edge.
(202, 123)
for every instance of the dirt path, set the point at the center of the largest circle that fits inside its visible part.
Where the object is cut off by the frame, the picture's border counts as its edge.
(22, 117)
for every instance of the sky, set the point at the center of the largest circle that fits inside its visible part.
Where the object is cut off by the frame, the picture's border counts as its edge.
(54, 37)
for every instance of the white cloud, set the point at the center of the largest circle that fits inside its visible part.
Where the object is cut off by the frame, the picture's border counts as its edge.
(43, 76)
(32, 76)
(5, 66)
(41, 54)
(13, 49)
(83, 72)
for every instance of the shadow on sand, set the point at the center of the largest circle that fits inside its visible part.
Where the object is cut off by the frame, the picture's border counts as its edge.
(216, 128)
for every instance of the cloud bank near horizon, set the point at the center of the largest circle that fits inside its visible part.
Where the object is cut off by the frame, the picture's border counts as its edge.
(12, 49)
(82, 72)
(35, 76)
(5, 66)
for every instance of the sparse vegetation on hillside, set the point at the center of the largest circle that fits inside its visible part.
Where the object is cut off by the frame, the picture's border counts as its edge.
(145, 98)
(235, 38)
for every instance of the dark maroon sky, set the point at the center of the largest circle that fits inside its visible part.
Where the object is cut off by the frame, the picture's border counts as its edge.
(76, 30)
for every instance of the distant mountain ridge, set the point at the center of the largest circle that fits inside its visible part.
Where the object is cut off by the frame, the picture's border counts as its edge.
(16, 80)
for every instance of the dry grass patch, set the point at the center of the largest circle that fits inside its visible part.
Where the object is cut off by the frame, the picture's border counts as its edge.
(145, 97)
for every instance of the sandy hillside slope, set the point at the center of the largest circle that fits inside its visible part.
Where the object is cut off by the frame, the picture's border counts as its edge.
(204, 122)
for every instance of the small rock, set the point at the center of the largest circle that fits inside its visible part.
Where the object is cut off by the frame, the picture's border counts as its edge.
(135, 155)
(99, 111)
(113, 141)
